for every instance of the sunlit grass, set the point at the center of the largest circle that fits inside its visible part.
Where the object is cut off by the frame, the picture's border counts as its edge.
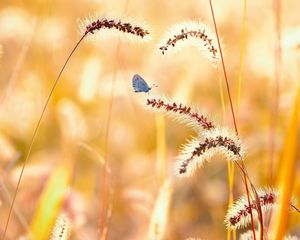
(101, 164)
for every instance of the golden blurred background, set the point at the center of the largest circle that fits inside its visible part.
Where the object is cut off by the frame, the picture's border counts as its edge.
(95, 116)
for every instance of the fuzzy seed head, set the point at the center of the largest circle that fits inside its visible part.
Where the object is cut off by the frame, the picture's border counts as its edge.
(181, 113)
(238, 216)
(96, 26)
(194, 33)
(233, 149)
(200, 150)
(61, 230)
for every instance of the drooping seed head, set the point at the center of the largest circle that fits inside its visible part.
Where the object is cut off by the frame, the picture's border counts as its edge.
(181, 113)
(200, 150)
(194, 33)
(238, 216)
(99, 26)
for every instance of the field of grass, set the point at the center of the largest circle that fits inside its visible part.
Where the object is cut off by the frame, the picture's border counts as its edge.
(211, 151)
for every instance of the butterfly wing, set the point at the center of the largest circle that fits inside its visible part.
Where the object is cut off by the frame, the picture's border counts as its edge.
(139, 84)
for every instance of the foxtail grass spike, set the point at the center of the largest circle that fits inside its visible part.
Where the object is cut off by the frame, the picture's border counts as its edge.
(239, 215)
(202, 149)
(88, 27)
(182, 113)
(93, 26)
(194, 33)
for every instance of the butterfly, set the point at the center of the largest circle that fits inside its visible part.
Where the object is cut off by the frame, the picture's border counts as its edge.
(139, 84)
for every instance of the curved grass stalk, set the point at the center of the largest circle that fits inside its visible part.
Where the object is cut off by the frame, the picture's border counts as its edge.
(88, 27)
(35, 134)
(236, 130)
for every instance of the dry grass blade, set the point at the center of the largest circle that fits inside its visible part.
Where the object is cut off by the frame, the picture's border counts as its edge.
(287, 172)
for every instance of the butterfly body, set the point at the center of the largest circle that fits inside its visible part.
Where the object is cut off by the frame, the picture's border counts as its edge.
(139, 84)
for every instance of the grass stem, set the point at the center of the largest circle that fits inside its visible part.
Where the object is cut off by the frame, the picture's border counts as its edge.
(232, 113)
(35, 134)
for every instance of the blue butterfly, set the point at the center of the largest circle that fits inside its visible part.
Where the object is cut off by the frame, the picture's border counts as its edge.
(139, 84)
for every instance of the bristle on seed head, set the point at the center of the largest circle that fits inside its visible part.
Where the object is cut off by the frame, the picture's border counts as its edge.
(96, 26)
(194, 33)
(181, 113)
(200, 150)
(238, 216)
(61, 230)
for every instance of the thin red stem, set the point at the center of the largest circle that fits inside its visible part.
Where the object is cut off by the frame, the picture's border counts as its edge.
(224, 71)
(35, 134)
(297, 209)
(248, 198)
(232, 112)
